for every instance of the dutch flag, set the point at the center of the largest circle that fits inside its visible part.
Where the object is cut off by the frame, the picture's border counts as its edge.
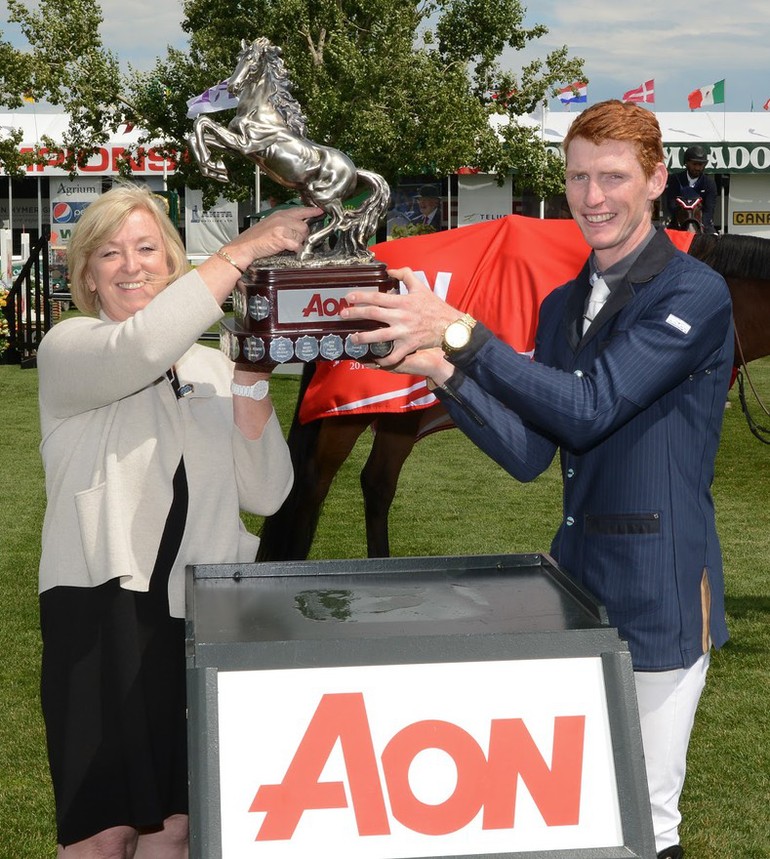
(576, 93)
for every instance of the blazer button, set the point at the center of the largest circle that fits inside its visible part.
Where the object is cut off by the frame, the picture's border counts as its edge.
(570, 472)
(570, 521)
(579, 374)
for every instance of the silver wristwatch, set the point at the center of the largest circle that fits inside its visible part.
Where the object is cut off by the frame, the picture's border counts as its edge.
(257, 391)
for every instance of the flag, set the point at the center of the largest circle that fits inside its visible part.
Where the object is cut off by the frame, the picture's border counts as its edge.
(576, 93)
(766, 105)
(214, 99)
(713, 94)
(643, 93)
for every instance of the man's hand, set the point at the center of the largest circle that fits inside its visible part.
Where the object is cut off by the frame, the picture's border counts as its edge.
(414, 320)
(430, 363)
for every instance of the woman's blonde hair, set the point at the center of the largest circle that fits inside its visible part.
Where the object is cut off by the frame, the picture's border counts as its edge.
(99, 223)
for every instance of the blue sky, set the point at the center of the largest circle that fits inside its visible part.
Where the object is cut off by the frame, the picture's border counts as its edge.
(680, 45)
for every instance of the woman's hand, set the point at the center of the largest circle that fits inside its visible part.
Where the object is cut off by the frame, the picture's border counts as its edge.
(284, 230)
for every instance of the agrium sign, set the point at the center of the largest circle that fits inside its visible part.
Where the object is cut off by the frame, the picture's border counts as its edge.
(427, 760)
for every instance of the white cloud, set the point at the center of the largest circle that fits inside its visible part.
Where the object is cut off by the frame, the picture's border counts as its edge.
(139, 31)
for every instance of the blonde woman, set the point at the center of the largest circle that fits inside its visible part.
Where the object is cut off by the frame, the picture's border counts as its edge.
(152, 444)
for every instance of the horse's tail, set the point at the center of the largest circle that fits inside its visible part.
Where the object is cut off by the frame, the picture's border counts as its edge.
(371, 211)
(283, 536)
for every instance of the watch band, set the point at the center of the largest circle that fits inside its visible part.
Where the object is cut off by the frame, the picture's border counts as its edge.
(257, 391)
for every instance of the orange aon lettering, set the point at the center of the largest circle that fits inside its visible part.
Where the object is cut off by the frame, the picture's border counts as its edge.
(486, 783)
(319, 306)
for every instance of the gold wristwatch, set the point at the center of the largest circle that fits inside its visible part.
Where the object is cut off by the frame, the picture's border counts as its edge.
(457, 335)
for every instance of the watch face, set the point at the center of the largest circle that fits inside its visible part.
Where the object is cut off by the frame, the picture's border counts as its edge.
(259, 390)
(457, 335)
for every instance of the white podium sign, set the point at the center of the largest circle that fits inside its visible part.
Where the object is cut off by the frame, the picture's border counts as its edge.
(419, 760)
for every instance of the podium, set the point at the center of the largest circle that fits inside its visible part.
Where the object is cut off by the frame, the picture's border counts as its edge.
(410, 707)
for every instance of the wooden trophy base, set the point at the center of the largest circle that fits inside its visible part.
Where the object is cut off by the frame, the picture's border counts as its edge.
(292, 314)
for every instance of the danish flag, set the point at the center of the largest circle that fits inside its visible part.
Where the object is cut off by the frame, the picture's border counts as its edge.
(643, 93)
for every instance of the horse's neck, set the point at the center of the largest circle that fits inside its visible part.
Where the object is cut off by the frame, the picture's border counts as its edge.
(254, 104)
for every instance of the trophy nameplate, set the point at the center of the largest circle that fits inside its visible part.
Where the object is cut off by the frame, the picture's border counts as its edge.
(284, 315)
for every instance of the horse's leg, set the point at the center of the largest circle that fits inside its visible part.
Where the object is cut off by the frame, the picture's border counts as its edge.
(393, 442)
(318, 451)
(337, 216)
(200, 140)
(206, 135)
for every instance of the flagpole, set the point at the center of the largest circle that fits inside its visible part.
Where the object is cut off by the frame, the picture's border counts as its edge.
(724, 141)
(542, 142)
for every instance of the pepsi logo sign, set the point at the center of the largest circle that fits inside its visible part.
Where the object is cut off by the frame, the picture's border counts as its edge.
(67, 213)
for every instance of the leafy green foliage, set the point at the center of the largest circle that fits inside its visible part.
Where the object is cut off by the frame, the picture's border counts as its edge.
(69, 67)
(405, 87)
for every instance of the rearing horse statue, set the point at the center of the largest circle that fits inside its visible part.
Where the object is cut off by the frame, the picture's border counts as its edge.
(269, 128)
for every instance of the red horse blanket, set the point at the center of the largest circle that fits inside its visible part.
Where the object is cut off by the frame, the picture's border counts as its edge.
(498, 271)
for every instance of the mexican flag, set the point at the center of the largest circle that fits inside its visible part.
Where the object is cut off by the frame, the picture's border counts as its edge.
(712, 94)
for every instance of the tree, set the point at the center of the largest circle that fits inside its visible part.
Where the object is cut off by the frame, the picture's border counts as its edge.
(403, 86)
(67, 66)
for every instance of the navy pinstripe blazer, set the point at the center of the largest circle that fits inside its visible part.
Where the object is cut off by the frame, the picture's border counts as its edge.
(635, 407)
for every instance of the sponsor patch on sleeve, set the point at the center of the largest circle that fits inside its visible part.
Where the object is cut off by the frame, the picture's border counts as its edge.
(683, 326)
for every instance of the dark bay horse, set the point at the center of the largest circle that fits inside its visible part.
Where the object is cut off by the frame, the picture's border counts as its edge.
(320, 447)
(688, 215)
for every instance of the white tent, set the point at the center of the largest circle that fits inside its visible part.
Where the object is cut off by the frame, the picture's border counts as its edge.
(737, 142)
(36, 126)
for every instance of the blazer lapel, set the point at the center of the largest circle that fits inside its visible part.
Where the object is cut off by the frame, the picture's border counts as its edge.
(575, 308)
(648, 265)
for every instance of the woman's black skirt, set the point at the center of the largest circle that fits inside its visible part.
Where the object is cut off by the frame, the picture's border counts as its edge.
(113, 697)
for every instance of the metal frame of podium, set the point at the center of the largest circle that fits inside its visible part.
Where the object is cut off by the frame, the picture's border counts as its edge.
(401, 612)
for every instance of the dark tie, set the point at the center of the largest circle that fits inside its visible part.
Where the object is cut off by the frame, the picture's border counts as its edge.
(600, 292)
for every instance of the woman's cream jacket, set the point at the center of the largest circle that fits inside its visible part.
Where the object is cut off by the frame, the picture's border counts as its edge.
(113, 433)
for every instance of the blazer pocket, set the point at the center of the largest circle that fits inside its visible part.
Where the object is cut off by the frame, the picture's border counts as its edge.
(90, 505)
(623, 553)
(248, 544)
(621, 524)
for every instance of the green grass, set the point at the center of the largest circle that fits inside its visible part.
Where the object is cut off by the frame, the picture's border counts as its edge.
(451, 500)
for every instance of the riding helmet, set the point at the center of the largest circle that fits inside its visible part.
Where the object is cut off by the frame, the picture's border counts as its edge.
(697, 154)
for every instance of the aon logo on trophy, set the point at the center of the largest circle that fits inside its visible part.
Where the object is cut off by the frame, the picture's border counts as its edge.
(310, 305)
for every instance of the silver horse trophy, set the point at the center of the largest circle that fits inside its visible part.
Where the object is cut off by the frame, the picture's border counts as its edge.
(269, 128)
(287, 307)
